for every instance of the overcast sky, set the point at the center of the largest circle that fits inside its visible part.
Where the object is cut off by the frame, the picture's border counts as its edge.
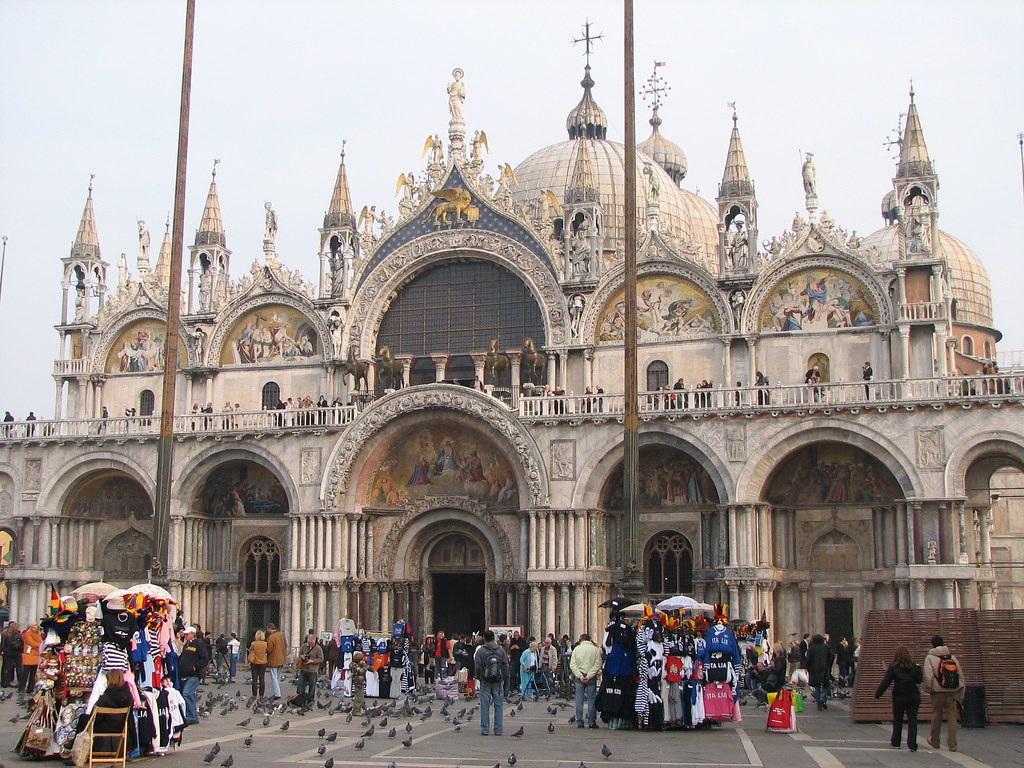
(93, 87)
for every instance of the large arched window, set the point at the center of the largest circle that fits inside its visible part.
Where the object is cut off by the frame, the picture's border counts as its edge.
(457, 308)
(262, 567)
(657, 375)
(271, 396)
(669, 564)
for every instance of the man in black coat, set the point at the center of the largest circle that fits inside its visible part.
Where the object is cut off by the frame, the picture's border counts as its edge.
(818, 663)
(192, 662)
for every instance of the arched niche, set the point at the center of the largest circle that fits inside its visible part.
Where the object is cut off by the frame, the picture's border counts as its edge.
(139, 347)
(126, 557)
(835, 551)
(6, 496)
(271, 334)
(108, 494)
(240, 488)
(668, 307)
(830, 473)
(669, 477)
(816, 297)
(668, 560)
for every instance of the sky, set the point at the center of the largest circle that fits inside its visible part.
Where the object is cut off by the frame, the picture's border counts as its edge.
(93, 88)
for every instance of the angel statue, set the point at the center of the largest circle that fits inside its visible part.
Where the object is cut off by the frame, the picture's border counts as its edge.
(436, 148)
(507, 174)
(369, 215)
(479, 141)
(407, 186)
(456, 95)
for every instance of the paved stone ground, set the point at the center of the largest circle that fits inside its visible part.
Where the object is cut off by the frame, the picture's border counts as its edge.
(826, 740)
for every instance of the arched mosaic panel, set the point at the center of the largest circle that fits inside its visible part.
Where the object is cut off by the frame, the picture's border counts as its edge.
(139, 348)
(109, 495)
(668, 478)
(272, 334)
(815, 299)
(668, 306)
(239, 488)
(831, 473)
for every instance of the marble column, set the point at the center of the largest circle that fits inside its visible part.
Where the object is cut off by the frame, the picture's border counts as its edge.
(440, 362)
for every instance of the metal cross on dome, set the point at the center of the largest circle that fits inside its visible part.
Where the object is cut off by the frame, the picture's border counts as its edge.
(655, 87)
(588, 39)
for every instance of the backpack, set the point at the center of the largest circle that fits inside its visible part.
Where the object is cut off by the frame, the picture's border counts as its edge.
(491, 666)
(948, 673)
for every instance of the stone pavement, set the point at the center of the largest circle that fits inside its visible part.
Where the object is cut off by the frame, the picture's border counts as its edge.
(826, 740)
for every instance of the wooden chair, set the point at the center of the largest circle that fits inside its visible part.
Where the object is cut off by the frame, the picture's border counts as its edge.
(116, 755)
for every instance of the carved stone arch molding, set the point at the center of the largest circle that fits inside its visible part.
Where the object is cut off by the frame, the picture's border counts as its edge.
(408, 260)
(771, 277)
(422, 525)
(437, 397)
(113, 332)
(613, 281)
(227, 319)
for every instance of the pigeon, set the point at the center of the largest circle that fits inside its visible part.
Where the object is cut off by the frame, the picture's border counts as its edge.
(383, 723)
(572, 719)
(392, 764)
(408, 727)
(331, 737)
(266, 721)
(605, 751)
(582, 764)
(360, 744)
(209, 757)
(286, 725)
(519, 733)
(329, 762)
(215, 749)
(551, 727)
(391, 733)
(321, 749)
(245, 722)
(512, 759)
(248, 740)
(228, 763)
(512, 713)
(407, 742)
(321, 732)
(368, 732)
(458, 729)
(348, 718)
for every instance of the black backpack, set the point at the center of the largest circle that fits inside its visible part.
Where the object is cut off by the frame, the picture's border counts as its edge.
(490, 666)
(948, 673)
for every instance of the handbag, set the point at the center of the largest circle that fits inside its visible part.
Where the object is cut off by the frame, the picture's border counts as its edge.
(781, 715)
(37, 740)
(462, 675)
(798, 701)
(81, 748)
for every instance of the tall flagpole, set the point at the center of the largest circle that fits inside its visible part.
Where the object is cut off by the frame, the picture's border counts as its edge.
(632, 574)
(165, 446)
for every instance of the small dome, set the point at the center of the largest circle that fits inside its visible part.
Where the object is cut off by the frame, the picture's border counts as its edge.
(682, 213)
(587, 119)
(665, 153)
(968, 278)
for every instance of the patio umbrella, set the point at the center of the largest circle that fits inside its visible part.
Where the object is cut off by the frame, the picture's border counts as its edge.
(680, 603)
(636, 608)
(150, 590)
(98, 588)
(617, 603)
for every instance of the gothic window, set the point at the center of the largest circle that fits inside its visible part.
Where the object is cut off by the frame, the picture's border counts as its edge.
(968, 345)
(657, 375)
(262, 567)
(271, 395)
(147, 402)
(669, 564)
(127, 557)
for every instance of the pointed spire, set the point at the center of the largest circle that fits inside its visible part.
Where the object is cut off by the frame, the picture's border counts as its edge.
(211, 228)
(665, 153)
(587, 119)
(582, 188)
(340, 213)
(914, 160)
(87, 242)
(736, 179)
(163, 260)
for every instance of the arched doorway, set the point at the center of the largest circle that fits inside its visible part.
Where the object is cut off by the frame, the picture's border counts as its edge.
(261, 571)
(457, 574)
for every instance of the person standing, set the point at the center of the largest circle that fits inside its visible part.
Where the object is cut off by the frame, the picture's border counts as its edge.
(548, 662)
(234, 646)
(221, 653)
(10, 651)
(585, 665)
(258, 664)
(867, 373)
(516, 647)
(277, 653)
(943, 678)
(444, 661)
(819, 661)
(31, 639)
(312, 657)
(357, 674)
(905, 677)
(192, 661)
(490, 661)
(528, 661)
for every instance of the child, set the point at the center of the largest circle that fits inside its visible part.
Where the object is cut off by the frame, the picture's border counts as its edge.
(357, 670)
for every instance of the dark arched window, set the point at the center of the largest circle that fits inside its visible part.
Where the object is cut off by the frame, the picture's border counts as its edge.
(669, 564)
(262, 567)
(147, 402)
(271, 396)
(423, 371)
(968, 345)
(657, 375)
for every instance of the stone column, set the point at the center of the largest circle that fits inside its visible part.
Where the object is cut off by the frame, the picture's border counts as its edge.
(727, 361)
(986, 596)
(515, 357)
(549, 609)
(986, 535)
(917, 593)
(588, 368)
(940, 349)
(961, 523)
(534, 620)
(552, 368)
(406, 361)
(564, 612)
(570, 535)
(752, 357)
(905, 352)
(541, 522)
(563, 370)
(479, 358)
(440, 361)
(805, 603)
(949, 596)
(734, 597)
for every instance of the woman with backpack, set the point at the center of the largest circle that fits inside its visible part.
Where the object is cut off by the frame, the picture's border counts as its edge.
(905, 676)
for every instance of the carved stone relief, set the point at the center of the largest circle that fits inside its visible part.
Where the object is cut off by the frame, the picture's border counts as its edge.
(563, 459)
(309, 466)
(931, 451)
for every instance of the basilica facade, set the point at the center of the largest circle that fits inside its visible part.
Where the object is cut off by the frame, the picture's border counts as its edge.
(431, 429)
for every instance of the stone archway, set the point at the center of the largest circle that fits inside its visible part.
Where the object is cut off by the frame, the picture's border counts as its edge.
(455, 581)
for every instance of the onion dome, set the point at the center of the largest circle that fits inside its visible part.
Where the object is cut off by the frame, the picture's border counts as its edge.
(665, 153)
(587, 120)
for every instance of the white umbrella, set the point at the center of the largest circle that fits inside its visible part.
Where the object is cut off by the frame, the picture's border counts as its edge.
(680, 603)
(635, 608)
(151, 590)
(98, 588)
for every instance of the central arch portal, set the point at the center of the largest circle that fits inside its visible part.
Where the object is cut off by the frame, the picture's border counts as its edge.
(457, 571)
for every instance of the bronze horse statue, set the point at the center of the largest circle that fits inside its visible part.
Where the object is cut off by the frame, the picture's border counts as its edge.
(357, 369)
(496, 365)
(534, 363)
(389, 370)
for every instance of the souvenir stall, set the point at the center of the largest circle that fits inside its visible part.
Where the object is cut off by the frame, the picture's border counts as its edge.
(96, 629)
(391, 666)
(666, 671)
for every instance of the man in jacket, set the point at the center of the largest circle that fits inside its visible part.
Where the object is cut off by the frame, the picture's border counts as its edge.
(192, 661)
(277, 652)
(944, 700)
(312, 657)
(585, 665)
(818, 662)
(491, 682)
(547, 663)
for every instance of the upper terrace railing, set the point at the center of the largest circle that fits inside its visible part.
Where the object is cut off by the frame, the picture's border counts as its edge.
(775, 399)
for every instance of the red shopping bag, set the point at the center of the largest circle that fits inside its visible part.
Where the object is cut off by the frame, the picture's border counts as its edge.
(781, 717)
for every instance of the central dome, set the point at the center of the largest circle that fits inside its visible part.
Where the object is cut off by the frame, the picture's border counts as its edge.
(682, 213)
